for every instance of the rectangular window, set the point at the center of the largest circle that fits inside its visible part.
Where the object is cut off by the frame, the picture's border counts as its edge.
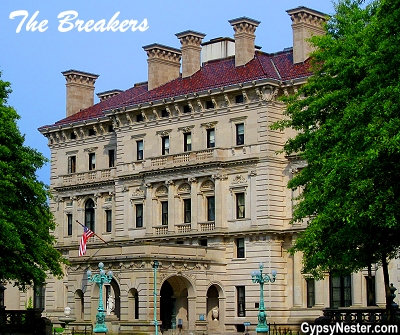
(111, 158)
(340, 291)
(211, 208)
(92, 132)
(72, 135)
(164, 113)
(211, 138)
(187, 210)
(310, 292)
(164, 213)
(69, 224)
(139, 118)
(241, 300)
(165, 145)
(209, 104)
(239, 98)
(186, 109)
(108, 220)
(240, 134)
(71, 164)
(139, 150)
(240, 213)
(139, 215)
(92, 161)
(187, 141)
(110, 128)
(240, 248)
(39, 292)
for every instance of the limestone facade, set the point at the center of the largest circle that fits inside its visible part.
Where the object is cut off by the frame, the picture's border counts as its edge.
(194, 182)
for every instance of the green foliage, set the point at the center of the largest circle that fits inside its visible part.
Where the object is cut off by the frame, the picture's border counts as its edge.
(348, 123)
(29, 304)
(27, 253)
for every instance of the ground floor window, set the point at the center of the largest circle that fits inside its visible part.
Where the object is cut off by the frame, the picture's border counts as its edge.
(340, 291)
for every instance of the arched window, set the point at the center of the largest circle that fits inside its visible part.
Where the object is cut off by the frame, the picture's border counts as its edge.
(89, 214)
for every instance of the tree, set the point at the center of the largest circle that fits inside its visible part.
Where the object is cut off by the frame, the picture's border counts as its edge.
(27, 254)
(348, 130)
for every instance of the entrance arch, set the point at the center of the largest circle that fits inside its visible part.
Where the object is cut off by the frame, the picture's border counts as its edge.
(177, 303)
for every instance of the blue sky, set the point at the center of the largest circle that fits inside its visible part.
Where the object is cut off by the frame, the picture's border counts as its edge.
(33, 61)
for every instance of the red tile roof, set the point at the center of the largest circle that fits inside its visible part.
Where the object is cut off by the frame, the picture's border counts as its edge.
(214, 74)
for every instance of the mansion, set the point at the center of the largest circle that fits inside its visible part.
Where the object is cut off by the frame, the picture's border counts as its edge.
(183, 170)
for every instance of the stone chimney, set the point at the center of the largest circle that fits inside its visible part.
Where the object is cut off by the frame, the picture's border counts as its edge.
(80, 90)
(244, 28)
(164, 64)
(306, 22)
(191, 51)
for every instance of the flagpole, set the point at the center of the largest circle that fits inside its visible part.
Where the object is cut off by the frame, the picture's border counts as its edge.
(93, 232)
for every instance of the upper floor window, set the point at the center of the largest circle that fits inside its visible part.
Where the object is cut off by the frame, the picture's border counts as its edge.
(239, 98)
(187, 210)
(164, 113)
(186, 109)
(241, 300)
(110, 128)
(211, 208)
(139, 215)
(165, 145)
(240, 247)
(89, 214)
(111, 158)
(92, 161)
(211, 138)
(139, 150)
(91, 132)
(139, 118)
(187, 141)
(72, 135)
(164, 213)
(108, 220)
(209, 104)
(69, 224)
(240, 205)
(240, 134)
(71, 164)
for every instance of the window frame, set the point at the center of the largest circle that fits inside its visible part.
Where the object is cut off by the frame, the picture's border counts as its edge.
(139, 218)
(241, 301)
(92, 161)
(111, 158)
(72, 164)
(165, 145)
(210, 137)
(90, 215)
(139, 151)
(239, 133)
(108, 216)
(69, 224)
(240, 198)
(164, 213)
(187, 210)
(210, 205)
(240, 247)
(187, 141)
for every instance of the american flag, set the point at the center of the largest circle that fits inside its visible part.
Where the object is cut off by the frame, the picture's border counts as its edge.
(87, 233)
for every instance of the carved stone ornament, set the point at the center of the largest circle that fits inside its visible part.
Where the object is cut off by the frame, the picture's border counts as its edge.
(184, 188)
(162, 190)
(239, 179)
(207, 185)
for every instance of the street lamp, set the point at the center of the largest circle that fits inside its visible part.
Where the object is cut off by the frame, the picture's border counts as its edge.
(260, 278)
(100, 279)
(155, 267)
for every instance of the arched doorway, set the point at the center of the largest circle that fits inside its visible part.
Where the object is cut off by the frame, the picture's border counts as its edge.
(79, 305)
(174, 305)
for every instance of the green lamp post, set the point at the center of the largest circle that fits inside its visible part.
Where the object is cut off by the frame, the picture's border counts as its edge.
(100, 279)
(155, 267)
(260, 278)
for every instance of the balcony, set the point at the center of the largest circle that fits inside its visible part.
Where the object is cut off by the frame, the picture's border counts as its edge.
(86, 177)
(183, 228)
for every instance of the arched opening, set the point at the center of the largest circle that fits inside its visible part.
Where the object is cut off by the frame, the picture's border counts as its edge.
(133, 304)
(174, 303)
(79, 305)
(89, 214)
(113, 299)
(212, 304)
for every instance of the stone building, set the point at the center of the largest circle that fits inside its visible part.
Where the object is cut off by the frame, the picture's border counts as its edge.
(183, 169)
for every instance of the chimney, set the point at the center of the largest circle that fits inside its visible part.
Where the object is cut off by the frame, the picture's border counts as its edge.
(306, 22)
(191, 51)
(80, 90)
(163, 64)
(108, 94)
(244, 28)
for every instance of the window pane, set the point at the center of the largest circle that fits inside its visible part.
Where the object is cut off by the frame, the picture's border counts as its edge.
(210, 209)
(240, 134)
(241, 301)
(69, 224)
(139, 215)
(165, 145)
(240, 248)
(111, 158)
(108, 220)
(240, 213)
(210, 138)
(164, 213)
(92, 161)
(139, 146)
(187, 211)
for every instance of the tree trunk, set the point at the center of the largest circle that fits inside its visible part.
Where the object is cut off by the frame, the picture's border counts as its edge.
(371, 297)
(387, 285)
